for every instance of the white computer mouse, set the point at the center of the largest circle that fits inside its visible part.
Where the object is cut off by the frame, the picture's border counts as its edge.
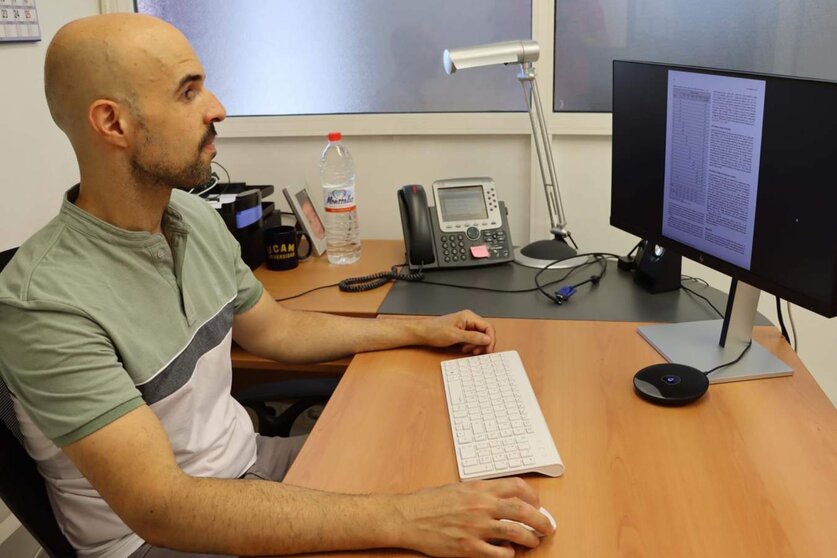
(545, 512)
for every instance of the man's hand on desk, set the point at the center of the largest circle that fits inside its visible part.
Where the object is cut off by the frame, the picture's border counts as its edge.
(475, 334)
(461, 519)
(271, 331)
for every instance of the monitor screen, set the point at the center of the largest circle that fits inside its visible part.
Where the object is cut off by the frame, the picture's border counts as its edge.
(734, 170)
(463, 203)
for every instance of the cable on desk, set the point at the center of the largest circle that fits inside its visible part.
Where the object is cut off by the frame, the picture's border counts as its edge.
(709, 302)
(508, 291)
(563, 294)
(628, 261)
(306, 292)
(703, 282)
(375, 280)
(730, 363)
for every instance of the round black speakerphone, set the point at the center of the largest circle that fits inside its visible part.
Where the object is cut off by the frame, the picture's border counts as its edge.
(670, 384)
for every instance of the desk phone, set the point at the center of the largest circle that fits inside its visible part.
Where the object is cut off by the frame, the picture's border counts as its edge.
(467, 226)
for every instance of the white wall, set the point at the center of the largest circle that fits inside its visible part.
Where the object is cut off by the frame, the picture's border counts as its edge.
(35, 157)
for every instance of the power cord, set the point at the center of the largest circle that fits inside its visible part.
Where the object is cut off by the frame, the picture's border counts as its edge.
(697, 294)
(782, 327)
(572, 240)
(793, 327)
(703, 282)
(730, 363)
(628, 261)
(306, 292)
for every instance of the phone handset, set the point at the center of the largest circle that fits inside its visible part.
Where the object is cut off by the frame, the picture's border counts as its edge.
(415, 222)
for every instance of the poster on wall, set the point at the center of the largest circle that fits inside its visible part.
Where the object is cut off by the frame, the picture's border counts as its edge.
(19, 21)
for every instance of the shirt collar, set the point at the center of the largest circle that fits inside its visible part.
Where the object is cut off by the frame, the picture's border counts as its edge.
(79, 219)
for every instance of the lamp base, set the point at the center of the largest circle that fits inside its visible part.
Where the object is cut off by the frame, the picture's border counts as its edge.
(541, 253)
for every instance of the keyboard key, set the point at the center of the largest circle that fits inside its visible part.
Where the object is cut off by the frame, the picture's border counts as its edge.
(477, 469)
(467, 451)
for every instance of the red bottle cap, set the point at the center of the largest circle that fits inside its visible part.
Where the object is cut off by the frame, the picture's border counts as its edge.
(335, 136)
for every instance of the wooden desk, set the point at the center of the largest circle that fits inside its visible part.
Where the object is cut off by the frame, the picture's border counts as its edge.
(750, 470)
(377, 255)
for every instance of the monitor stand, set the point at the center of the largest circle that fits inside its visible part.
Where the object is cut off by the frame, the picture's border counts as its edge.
(697, 343)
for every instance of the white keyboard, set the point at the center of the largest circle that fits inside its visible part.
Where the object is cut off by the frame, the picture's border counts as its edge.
(497, 425)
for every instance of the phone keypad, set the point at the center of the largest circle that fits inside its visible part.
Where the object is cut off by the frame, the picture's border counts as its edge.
(453, 248)
(456, 246)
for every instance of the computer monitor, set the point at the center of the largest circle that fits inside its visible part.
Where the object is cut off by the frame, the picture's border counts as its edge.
(737, 171)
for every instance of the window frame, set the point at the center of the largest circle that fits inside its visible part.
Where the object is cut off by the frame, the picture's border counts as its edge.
(429, 123)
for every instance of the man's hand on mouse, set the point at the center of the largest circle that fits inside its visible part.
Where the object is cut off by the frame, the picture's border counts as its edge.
(475, 334)
(461, 519)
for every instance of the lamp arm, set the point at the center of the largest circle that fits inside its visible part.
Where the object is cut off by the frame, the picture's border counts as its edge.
(543, 147)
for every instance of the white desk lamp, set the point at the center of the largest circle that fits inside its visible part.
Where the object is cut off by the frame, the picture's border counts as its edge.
(542, 252)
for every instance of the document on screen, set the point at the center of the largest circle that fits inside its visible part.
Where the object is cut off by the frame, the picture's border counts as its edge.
(713, 150)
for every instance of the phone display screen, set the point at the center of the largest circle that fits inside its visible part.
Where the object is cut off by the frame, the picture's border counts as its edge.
(465, 203)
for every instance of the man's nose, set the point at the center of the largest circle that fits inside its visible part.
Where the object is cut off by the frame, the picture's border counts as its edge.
(216, 112)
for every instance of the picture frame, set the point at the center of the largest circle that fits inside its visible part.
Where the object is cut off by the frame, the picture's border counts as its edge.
(307, 216)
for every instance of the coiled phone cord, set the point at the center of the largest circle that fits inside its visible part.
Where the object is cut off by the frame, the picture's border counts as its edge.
(375, 280)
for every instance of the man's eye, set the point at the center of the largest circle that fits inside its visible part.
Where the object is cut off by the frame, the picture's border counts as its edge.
(189, 94)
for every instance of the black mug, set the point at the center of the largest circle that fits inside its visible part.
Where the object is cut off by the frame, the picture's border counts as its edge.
(282, 247)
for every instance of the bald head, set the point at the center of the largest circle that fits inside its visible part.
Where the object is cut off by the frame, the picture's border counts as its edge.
(106, 57)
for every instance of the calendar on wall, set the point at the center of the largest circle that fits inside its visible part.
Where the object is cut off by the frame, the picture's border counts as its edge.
(19, 21)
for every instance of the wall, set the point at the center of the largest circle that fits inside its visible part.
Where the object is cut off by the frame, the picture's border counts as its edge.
(35, 157)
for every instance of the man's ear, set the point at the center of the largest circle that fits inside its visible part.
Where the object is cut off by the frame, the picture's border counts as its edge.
(108, 120)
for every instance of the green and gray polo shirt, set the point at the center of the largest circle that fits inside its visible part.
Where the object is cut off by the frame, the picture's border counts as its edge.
(96, 321)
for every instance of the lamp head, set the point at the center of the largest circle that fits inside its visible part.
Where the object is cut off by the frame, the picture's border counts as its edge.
(511, 52)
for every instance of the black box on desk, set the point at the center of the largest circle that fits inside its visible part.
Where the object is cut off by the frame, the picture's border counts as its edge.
(245, 215)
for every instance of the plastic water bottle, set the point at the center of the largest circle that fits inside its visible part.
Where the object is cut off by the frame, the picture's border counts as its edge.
(337, 175)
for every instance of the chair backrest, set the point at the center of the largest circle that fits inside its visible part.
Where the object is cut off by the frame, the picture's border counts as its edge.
(21, 486)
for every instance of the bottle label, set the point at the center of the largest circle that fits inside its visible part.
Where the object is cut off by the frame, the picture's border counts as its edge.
(338, 200)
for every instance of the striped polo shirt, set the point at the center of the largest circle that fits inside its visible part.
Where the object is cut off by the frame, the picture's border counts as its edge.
(96, 321)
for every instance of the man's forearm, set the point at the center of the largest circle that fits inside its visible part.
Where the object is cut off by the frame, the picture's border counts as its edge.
(271, 331)
(315, 337)
(251, 517)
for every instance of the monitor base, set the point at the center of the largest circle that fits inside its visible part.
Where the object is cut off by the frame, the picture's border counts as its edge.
(696, 344)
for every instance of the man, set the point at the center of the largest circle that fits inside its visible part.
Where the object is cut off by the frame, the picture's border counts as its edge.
(115, 327)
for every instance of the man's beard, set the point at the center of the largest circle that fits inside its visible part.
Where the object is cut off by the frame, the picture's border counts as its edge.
(192, 175)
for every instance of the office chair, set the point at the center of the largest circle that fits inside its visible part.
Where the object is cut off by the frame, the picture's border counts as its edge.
(304, 394)
(21, 486)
